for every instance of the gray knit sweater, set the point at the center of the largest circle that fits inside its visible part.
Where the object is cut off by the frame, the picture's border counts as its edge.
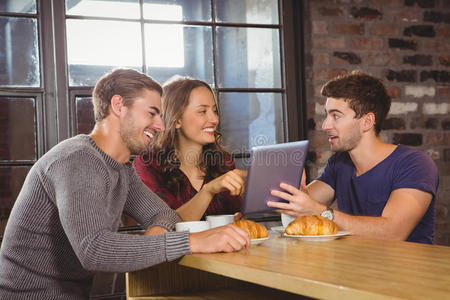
(63, 226)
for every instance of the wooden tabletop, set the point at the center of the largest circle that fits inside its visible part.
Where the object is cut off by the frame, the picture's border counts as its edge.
(347, 268)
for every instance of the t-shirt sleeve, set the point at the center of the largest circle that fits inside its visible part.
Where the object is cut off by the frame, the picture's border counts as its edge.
(81, 186)
(329, 174)
(418, 171)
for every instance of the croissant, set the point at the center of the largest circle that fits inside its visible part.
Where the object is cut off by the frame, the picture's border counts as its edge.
(255, 230)
(311, 225)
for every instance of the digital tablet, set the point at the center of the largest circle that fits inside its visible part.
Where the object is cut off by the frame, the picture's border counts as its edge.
(269, 166)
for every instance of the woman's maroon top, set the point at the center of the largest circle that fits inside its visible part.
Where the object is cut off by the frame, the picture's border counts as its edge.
(150, 173)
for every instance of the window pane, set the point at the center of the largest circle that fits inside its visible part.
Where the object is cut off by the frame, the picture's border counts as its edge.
(127, 9)
(96, 47)
(11, 182)
(247, 11)
(85, 114)
(19, 55)
(178, 10)
(18, 6)
(177, 49)
(250, 119)
(17, 129)
(248, 58)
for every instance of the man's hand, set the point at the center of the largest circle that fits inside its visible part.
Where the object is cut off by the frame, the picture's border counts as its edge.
(233, 181)
(227, 238)
(155, 230)
(300, 203)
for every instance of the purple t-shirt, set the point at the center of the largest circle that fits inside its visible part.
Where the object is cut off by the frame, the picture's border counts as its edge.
(367, 194)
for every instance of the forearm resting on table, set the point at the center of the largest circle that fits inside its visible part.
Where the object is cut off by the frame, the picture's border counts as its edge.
(400, 216)
(194, 209)
(373, 227)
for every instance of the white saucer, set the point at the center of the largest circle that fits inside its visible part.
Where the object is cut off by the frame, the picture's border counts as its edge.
(258, 241)
(278, 229)
(318, 238)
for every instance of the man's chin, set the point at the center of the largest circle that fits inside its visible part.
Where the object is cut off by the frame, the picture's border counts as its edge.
(139, 150)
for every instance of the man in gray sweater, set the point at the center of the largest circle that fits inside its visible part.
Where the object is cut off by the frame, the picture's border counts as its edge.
(63, 227)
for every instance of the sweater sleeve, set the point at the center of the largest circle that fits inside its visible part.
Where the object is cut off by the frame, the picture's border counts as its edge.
(85, 196)
(147, 207)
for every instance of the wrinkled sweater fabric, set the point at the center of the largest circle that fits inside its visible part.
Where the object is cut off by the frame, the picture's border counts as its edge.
(63, 226)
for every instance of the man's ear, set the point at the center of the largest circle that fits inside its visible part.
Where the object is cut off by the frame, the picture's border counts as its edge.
(369, 121)
(116, 104)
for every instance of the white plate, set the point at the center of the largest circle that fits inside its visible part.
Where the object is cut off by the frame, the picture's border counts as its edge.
(278, 229)
(258, 241)
(318, 238)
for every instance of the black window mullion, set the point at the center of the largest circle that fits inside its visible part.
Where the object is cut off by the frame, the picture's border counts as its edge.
(143, 46)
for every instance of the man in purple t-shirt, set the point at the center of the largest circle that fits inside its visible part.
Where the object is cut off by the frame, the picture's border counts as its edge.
(383, 191)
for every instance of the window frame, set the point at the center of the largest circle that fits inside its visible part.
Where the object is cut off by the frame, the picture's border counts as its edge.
(55, 99)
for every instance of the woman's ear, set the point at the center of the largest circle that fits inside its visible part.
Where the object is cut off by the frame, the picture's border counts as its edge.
(116, 104)
(369, 121)
(178, 124)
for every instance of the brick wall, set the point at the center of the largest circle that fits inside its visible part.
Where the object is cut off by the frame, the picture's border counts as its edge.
(407, 44)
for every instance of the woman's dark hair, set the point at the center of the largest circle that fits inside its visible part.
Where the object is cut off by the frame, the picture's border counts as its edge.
(175, 99)
(363, 93)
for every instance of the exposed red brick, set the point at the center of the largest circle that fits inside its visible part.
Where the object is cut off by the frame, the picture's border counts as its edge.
(318, 140)
(444, 91)
(340, 61)
(433, 153)
(362, 43)
(444, 60)
(328, 42)
(384, 29)
(310, 108)
(393, 92)
(326, 75)
(435, 138)
(321, 59)
(405, 15)
(330, 11)
(438, 45)
(348, 28)
(442, 227)
(380, 59)
(384, 3)
(317, 90)
(443, 31)
(441, 212)
(319, 27)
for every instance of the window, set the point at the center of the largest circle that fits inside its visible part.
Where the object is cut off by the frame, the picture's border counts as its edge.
(233, 45)
(53, 52)
(20, 98)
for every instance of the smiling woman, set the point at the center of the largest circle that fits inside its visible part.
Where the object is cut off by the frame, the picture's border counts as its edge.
(188, 167)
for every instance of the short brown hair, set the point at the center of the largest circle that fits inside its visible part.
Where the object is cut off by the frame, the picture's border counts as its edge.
(363, 93)
(127, 83)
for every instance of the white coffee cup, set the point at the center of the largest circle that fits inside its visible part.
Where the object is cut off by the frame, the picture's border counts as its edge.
(286, 219)
(219, 220)
(192, 226)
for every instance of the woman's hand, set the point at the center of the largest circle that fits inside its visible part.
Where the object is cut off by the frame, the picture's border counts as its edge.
(233, 181)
